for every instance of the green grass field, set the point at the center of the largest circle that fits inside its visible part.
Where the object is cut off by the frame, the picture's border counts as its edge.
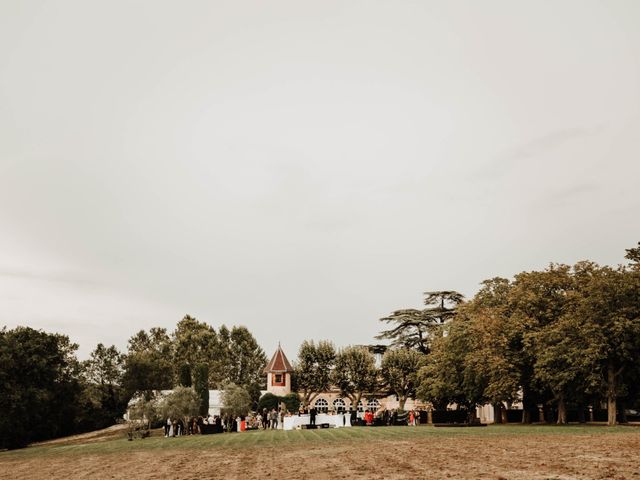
(282, 439)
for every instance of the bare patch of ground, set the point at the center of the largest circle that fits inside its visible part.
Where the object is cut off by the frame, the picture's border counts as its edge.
(497, 457)
(110, 433)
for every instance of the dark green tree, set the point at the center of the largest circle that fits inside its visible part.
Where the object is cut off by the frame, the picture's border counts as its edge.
(445, 379)
(355, 373)
(399, 372)
(312, 371)
(241, 360)
(185, 375)
(201, 386)
(194, 342)
(182, 402)
(39, 384)
(413, 328)
(236, 400)
(104, 400)
(291, 402)
(268, 401)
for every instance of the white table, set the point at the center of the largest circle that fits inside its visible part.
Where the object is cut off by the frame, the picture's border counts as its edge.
(338, 420)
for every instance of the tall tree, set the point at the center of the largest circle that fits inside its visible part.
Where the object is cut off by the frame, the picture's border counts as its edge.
(149, 364)
(104, 398)
(246, 359)
(445, 379)
(355, 373)
(184, 376)
(195, 342)
(182, 402)
(240, 361)
(536, 300)
(201, 386)
(495, 342)
(413, 328)
(399, 371)
(633, 255)
(40, 390)
(610, 306)
(156, 342)
(105, 366)
(236, 400)
(312, 373)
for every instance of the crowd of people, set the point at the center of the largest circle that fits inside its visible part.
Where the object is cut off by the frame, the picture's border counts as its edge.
(176, 427)
(274, 418)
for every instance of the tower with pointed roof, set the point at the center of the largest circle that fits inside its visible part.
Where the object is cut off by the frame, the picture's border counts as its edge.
(278, 372)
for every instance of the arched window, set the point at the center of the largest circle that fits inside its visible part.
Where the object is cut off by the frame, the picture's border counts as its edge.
(322, 406)
(339, 405)
(373, 405)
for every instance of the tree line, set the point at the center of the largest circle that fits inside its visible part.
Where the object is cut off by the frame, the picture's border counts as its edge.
(566, 337)
(46, 392)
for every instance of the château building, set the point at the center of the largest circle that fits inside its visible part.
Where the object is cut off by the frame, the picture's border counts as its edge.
(279, 372)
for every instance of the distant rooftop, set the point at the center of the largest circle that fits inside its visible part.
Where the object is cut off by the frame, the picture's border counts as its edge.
(278, 363)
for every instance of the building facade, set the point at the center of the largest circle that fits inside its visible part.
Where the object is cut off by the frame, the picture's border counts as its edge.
(279, 372)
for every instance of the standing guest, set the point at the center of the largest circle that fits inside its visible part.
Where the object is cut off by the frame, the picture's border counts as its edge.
(353, 417)
(200, 424)
(194, 426)
(368, 417)
(411, 418)
(312, 415)
(167, 426)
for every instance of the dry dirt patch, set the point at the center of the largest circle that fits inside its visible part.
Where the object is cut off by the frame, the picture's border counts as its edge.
(598, 456)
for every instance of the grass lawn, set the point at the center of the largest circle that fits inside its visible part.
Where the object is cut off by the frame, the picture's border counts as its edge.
(522, 452)
(332, 436)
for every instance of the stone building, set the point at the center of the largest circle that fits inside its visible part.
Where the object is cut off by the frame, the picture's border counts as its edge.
(279, 372)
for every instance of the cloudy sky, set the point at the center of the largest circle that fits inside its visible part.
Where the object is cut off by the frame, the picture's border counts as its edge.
(304, 168)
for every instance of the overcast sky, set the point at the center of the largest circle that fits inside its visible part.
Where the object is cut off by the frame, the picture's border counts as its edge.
(304, 167)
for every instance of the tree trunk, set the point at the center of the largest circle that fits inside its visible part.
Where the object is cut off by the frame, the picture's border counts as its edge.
(355, 400)
(401, 402)
(497, 413)
(562, 411)
(503, 413)
(526, 406)
(611, 395)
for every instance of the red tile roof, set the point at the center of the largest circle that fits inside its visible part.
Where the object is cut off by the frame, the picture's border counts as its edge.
(278, 363)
